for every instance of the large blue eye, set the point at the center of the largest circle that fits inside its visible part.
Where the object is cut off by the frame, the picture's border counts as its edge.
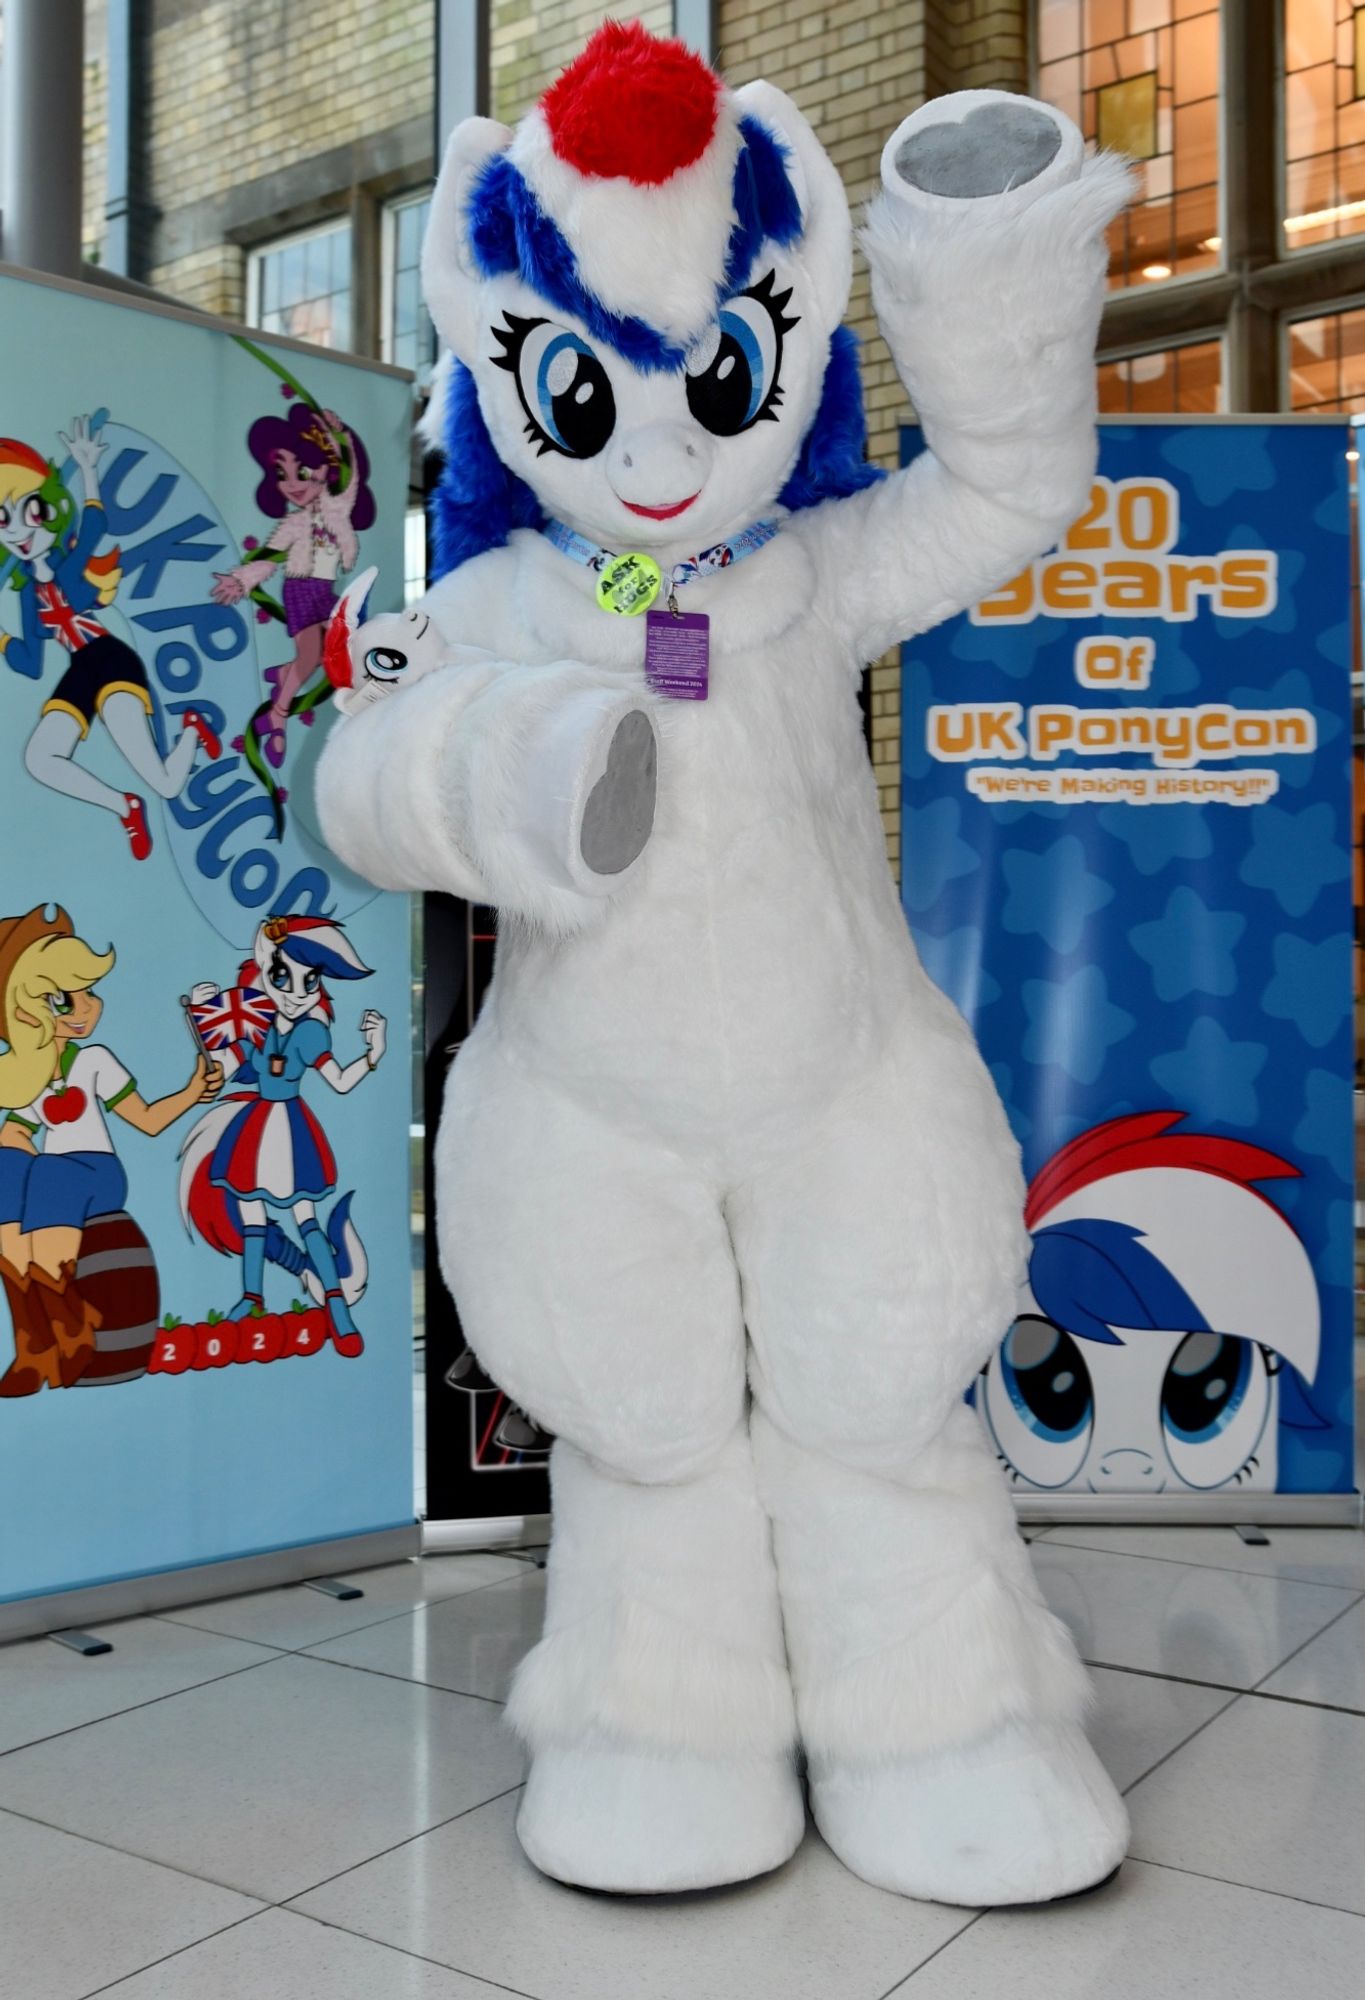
(1205, 1385)
(1046, 1379)
(732, 376)
(564, 389)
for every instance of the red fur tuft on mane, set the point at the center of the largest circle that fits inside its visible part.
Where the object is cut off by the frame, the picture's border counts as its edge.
(1144, 1139)
(632, 106)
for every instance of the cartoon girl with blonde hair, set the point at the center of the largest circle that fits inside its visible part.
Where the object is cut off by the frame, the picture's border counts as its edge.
(50, 557)
(58, 1085)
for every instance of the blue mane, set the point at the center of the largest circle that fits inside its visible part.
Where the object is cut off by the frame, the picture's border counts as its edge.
(510, 232)
(1090, 1276)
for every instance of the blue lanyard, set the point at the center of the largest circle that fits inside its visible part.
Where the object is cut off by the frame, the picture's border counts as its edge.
(721, 555)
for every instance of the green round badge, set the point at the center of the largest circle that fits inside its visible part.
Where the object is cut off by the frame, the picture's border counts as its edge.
(629, 584)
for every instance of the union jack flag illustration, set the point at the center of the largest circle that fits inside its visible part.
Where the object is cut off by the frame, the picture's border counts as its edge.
(70, 628)
(241, 1014)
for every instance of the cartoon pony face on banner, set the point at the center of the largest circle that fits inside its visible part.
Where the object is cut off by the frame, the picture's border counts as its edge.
(640, 410)
(1169, 1313)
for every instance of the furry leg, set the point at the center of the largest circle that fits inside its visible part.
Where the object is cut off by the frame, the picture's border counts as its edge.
(657, 1706)
(938, 1699)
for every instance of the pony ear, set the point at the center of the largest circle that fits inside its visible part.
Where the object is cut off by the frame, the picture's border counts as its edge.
(825, 250)
(345, 620)
(450, 279)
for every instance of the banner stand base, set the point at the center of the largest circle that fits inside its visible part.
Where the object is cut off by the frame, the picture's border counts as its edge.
(1190, 1510)
(174, 1589)
(500, 1531)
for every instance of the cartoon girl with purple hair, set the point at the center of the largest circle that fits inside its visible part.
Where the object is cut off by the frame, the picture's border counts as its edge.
(314, 485)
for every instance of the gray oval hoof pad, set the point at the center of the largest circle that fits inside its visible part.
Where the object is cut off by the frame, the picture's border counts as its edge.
(994, 148)
(620, 810)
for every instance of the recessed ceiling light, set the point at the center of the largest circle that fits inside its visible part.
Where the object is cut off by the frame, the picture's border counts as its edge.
(1212, 243)
(1353, 454)
(1156, 270)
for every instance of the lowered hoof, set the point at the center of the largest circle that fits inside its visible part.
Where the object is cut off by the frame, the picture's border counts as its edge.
(643, 1823)
(1025, 1815)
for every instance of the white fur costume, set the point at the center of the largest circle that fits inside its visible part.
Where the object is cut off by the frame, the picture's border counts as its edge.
(727, 1198)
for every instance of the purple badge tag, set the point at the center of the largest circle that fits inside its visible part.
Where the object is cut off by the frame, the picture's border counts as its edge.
(678, 654)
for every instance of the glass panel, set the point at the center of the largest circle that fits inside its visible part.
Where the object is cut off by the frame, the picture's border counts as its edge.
(1127, 117)
(1326, 358)
(1143, 80)
(1308, 32)
(1324, 120)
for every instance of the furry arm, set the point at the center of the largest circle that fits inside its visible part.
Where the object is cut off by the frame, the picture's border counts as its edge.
(989, 302)
(492, 782)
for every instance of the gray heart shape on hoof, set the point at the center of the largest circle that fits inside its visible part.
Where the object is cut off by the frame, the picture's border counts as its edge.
(995, 147)
(620, 811)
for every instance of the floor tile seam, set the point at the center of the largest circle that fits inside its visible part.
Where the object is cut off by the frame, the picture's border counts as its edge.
(1260, 1690)
(405, 1611)
(422, 1958)
(406, 1680)
(973, 1917)
(134, 1708)
(112, 1985)
(1222, 1709)
(326, 1881)
(134, 1854)
(1344, 1612)
(1238, 1694)
(1184, 1562)
(1254, 1888)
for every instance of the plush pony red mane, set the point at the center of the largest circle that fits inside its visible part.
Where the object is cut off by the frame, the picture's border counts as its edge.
(632, 107)
(336, 649)
(1144, 1139)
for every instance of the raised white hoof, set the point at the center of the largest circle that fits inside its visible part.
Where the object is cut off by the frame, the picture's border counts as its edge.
(643, 1824)
(1022, 1816)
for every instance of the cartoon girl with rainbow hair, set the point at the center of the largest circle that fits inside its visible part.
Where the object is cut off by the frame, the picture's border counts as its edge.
(50, 557)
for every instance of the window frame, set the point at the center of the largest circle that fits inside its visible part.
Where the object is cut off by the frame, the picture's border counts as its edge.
(1211, 336)
(267, 247)
(1140, 287)
(388, 224)
(1293, 316)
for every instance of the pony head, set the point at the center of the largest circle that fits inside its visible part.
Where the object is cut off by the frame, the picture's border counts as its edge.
(291, 957)
(367, 658)
(642, 287)
(1169, 1309)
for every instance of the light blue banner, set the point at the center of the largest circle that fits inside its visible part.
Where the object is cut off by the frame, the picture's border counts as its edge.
(142, 1427)
(1127, 840)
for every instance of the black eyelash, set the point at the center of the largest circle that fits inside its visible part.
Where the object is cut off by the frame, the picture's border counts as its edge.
(774, 304)
(511, 337)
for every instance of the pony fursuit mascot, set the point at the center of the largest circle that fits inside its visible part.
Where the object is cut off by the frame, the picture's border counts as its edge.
(726, 1195)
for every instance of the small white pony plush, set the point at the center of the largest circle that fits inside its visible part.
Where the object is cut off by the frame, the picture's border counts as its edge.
(724, 1190)
(367, 658)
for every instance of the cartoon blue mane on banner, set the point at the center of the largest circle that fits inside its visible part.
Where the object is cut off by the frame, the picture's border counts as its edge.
(1127, 841)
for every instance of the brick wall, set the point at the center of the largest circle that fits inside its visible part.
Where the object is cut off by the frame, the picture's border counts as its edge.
(529, 43)
(237, 95)
(855, 68)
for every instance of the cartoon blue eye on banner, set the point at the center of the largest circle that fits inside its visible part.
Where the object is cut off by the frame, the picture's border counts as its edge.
(1127, 859)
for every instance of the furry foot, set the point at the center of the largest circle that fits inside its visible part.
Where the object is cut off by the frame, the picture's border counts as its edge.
(643, 1823)
(1026, 1815)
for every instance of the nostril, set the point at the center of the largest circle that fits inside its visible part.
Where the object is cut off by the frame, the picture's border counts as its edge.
(691, 451)
(627, 459)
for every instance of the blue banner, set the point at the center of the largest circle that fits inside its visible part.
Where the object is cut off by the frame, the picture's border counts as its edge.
(205, 1096)
(1127, 859)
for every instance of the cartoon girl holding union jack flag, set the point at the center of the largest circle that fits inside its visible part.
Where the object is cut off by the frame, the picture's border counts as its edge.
(262, 1149)
(48, 555)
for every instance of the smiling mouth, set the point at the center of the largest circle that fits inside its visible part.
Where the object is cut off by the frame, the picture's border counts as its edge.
(661, 513)
(24, 547)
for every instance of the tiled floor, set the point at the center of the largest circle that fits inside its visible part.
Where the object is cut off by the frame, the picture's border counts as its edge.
(285, 1797)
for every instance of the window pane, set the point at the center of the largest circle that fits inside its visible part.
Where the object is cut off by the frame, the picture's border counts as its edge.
(1326, 358)
(305, 287)
(1175, 379)
(409, 339)
(1143, 79)
(1324, 125)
